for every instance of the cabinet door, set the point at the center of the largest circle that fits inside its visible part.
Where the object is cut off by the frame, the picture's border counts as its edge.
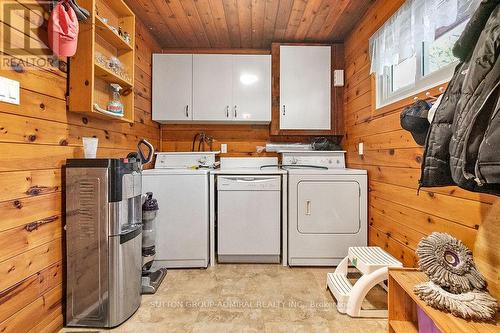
(252, 88)
(172, 87)
(305, 87)
(212, 87)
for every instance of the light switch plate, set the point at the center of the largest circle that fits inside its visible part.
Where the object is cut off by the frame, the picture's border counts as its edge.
(9, 91)
(361, 147)
(338, 78)
(223, 148)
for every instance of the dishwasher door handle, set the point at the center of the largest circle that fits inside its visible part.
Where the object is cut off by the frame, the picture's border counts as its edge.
(249, 183)
(249, 179)
(253, 180)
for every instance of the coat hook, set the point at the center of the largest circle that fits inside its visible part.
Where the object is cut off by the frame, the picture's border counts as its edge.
(429, 95)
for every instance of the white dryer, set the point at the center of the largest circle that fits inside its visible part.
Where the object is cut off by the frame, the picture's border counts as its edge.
(327, 208)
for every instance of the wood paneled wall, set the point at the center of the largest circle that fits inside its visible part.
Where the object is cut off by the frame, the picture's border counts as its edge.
(241, 140)
(36, 138)
(398, 217)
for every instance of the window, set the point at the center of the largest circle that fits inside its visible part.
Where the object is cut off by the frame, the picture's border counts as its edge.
(412, 51)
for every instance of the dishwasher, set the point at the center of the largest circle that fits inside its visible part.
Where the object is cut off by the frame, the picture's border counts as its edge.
(248, 219)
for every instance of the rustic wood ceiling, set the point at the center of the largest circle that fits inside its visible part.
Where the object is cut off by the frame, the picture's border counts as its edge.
(247, 23)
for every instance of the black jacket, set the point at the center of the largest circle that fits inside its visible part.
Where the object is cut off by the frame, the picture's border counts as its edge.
(463, 143)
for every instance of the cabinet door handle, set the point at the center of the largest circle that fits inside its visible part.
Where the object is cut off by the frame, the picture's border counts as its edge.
(227, 111)
(284, 109)
(308, 207)
(235, 111)
(187, 111)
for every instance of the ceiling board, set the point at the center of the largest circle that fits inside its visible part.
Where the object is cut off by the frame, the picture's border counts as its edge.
(247, 23)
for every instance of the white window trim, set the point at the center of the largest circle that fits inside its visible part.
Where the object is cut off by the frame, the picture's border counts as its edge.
(422, 84)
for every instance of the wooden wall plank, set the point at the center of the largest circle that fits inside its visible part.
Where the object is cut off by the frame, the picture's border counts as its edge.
(19, 129)
(245, 22)
(195, 22)
(416, 220)
(298, 8)
(31, 315)
(18, 268)
(407, 236)
(233, 24)
(40, 106)
(155, 22)
(400, 251)
(408, 177)
(322, 19)
(52, 322)
(271, 15)
(23, 293)
(24, 238)
(217, 11)
(22, 184)
(311, 12)
(20, 211)
(465, 212)
(406, 157)
(208, 22)
(33, 157)
(282, 19)
(258, 9)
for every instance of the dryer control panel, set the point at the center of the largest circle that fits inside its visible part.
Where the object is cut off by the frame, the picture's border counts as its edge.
(329, 159)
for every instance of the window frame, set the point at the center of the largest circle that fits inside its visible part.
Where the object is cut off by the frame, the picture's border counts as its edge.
(384, 95)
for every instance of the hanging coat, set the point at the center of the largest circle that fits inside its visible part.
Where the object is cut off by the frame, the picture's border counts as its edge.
(463, 143)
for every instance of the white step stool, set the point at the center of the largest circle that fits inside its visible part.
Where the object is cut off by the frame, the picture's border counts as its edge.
(373, 263)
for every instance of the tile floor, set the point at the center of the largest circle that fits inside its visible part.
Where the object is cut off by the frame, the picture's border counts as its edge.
(246, 298)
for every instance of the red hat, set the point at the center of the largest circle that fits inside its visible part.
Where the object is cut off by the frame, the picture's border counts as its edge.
(63, 30)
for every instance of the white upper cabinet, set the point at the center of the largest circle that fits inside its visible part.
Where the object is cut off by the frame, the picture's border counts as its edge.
(251, 88)
(305, 87)
(172, 87)
(212, 87)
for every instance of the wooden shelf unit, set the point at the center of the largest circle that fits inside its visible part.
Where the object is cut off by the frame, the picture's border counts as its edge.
(90, 81)
(403, 308)
(104, 30)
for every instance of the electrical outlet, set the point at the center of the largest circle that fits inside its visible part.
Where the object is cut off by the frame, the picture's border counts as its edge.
(223, 148)
(361, 148)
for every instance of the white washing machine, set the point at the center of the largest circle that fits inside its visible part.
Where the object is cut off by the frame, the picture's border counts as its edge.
(327, 208)
(182, 190)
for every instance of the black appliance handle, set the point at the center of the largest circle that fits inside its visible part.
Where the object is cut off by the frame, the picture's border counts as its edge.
(150, 149)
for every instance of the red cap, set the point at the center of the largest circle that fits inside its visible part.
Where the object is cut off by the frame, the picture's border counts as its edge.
(63, 30)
